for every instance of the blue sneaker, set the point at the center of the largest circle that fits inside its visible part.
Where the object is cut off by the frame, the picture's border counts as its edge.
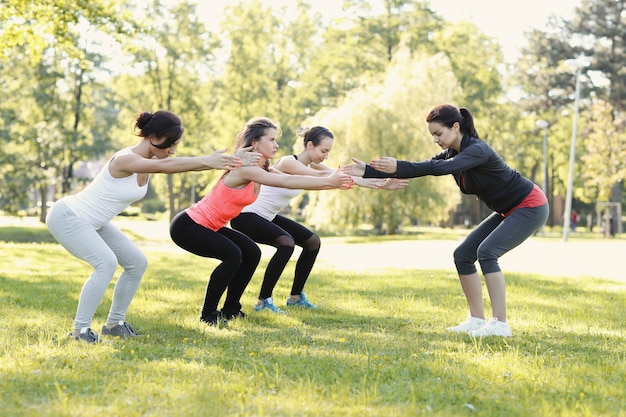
(268, 304)
(302, 302)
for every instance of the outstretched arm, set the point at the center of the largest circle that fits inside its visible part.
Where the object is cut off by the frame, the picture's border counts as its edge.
(244, 175)
(395, 184)
(360, 168)
(385, 164)
(122, 165)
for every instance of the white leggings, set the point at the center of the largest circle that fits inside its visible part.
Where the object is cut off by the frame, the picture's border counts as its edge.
(103, 249)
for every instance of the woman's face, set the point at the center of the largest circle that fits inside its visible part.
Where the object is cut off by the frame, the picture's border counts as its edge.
(267, 145)
(446, 137)
(319, 153)
(162, 153)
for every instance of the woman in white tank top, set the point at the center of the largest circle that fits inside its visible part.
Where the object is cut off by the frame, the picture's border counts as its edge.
(262, 222)
(82, 222)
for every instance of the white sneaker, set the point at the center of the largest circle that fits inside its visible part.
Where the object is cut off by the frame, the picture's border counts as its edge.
(493, 327)
(472, 323)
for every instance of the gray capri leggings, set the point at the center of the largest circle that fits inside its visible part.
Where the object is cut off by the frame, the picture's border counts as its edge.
(495, 236)
(103, 249)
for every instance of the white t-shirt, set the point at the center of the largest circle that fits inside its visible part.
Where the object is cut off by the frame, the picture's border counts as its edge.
(106, 197)
(271, 201)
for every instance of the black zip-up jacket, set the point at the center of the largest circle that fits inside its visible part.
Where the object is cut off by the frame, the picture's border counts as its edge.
(477, 169)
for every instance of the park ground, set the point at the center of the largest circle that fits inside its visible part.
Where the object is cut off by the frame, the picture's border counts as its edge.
(551, 256)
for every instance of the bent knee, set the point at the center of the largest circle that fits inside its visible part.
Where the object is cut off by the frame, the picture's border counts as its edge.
(312, 244)
(106, 265)
(286, 241)
(140, 263)
(463, 256)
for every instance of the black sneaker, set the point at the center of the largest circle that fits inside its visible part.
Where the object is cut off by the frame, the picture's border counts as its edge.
(122, 329)
(214, 319)
(86, 335)
(229, 315)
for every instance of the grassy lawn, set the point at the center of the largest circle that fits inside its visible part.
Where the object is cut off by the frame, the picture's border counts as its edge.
(377, 345)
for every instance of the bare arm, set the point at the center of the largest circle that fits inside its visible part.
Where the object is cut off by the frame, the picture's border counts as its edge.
(122, 165)
(395, 183)
(292, 166)
(244, 175)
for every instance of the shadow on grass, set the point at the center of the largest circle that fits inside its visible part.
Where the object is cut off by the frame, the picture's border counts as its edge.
(19, 234)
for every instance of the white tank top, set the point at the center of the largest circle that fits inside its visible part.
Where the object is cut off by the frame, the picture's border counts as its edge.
(106, 197)
(271, 201)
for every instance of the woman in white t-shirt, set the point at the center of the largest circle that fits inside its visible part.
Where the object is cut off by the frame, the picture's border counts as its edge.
(82, 222)
(262, 222)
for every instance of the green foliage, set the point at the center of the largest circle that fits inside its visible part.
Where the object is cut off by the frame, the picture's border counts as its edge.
(474, 59)
(387, 118)
(267, 55)
(375, 346)
(604, 152)
(176, 53)
(597, 31)
(362, 42)
(30, 26)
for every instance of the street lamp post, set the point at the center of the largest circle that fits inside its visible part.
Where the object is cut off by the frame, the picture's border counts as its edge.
(542, 124)
(579, 65)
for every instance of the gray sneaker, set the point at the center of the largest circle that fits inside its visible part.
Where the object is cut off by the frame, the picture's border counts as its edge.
(86, 335)
(122, 329)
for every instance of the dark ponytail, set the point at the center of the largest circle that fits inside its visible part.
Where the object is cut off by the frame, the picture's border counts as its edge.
(161, 124)
(468, 122)
(447, 115)
(314, 134)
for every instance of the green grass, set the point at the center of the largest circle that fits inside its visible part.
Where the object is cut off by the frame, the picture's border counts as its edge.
(24, 234)
(377, 346)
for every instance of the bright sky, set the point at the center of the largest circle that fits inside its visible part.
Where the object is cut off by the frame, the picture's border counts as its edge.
(504, 20)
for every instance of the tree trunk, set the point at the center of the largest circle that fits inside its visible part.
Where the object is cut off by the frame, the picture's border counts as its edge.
(43, 190)
(172, 199)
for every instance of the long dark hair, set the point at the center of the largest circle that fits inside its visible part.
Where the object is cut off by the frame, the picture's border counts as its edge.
(447, 115)
(161, 123)
(254, 129)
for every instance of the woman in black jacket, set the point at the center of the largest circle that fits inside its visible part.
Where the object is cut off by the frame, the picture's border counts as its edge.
(520, 208)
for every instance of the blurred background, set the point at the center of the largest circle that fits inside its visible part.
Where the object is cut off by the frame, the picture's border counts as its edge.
(545, 83)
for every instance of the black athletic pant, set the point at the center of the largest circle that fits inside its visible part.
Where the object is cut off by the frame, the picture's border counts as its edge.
(240, 257)
(283, 234)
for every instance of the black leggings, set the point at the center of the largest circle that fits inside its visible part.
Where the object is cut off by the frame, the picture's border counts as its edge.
(239, 255)
(283, 234)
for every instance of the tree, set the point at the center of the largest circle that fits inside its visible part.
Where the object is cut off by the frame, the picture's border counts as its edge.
(604, 153)
(175, 55)
(596, 32)
(267, 55)
(34, 27)
(388, 118)
(362, 42)
(47, 43)
(474, 58)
